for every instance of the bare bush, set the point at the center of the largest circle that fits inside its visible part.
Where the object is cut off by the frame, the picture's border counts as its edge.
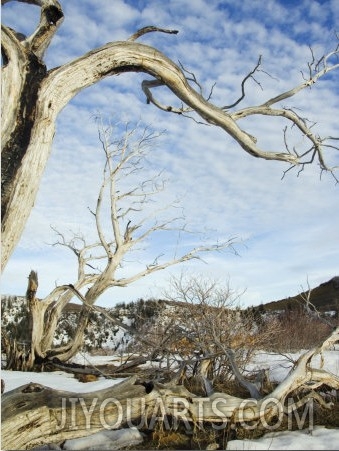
(297, 331)
(204, 332)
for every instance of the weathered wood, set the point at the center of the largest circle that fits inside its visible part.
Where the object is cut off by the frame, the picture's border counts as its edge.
(33, 414)
(98, 370)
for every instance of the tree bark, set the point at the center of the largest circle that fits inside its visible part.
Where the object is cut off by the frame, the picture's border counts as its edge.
(40, 414)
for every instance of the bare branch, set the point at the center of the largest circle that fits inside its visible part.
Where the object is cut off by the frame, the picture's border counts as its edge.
(150, 29)
(193, 254)
(249, 75)
(51, 18)
(310, 308)
(146, 86)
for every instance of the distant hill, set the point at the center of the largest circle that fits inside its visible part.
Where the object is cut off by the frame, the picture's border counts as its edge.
(102, 333)
(324, 297)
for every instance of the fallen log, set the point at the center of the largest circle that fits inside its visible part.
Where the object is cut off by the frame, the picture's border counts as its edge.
(34, 414)
(98, 370)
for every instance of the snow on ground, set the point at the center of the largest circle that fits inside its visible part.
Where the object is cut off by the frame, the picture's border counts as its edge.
(280, 365)
(317, 439)
(59, 380)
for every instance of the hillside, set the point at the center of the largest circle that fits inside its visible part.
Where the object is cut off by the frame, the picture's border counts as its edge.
(102, 333)
(324, 297)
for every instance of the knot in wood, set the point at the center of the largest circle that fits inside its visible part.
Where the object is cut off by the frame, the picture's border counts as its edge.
(33, 387)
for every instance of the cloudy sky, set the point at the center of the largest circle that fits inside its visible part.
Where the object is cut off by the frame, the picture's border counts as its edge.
(286, 229)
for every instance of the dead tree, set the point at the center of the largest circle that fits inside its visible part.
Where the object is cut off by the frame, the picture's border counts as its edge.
(32, 98)
(122, 220)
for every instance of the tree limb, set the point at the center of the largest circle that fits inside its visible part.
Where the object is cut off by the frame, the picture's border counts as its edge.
(150, 29)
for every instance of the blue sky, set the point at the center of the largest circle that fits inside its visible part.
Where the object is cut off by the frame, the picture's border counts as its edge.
(287, 229)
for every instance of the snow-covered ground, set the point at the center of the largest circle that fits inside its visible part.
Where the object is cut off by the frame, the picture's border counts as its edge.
(319, 438)
(279, 365)
(316, 439)
(59, 380)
